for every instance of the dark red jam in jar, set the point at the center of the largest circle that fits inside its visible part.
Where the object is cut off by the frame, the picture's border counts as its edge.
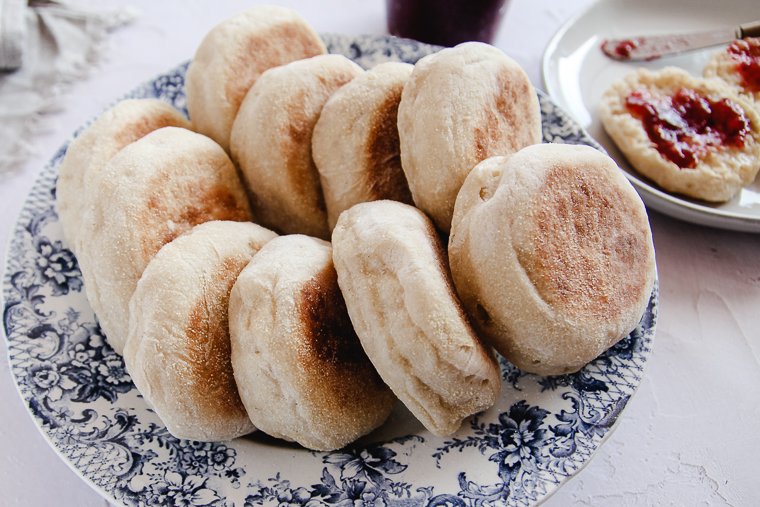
(445, 22)
(686, 126)
(746, 54)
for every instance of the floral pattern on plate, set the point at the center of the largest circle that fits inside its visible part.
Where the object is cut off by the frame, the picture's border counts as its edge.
(540, 432)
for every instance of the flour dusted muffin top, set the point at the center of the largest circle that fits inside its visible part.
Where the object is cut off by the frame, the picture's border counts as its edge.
(124, 123)
(355, 143)
(271, 142)
(460, 106)
(552, 255)
(299, 366)
(392, 271)
(233, 55)
(152, 191)
(178, 350)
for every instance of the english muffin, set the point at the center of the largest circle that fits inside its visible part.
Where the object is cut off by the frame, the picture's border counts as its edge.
(127, 121)
(152, 191)
(460, 106)
(300, 369)
(392, 271)
(233, 55)
(552, 255)
(689, 135)
(355, 143)
(178, 351)
(271, 142)
(738, 66)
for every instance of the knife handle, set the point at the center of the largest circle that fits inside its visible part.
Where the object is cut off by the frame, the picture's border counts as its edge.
(749, 29)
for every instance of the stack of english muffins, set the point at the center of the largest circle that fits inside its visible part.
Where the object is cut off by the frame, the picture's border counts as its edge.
(319, 240)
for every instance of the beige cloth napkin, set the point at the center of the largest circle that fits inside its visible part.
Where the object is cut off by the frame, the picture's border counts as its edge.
(12, 33)
(62, 44)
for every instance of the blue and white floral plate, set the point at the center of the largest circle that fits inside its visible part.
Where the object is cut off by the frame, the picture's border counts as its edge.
(541, 431)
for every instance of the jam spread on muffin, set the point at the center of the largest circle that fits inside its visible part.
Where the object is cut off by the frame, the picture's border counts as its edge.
(684, 127)
(746, 54)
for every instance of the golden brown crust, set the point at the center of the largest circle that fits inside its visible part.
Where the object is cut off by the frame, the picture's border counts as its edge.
(240, 77)
(296, 145)
(208, 345)
(461, 105)
(201, 202)
(588, 255)
(509, 101)
(402, 304)
(552, 255)
(340, 371)
(387, 180)
(178, 350)
(271, 142)
(329, 337)
(88, 154)
(151, 192)
(145, 125)
(233, 55)
(356, 143)
(299, 366)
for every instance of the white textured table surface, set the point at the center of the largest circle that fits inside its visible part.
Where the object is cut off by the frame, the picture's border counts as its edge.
(689, 436)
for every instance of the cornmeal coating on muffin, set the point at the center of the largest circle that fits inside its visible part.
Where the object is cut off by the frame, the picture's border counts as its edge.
(271, 142)
(152, 191)
(355, 143)
(124, 123)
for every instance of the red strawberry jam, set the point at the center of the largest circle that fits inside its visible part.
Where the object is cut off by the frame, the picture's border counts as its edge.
(686, 126)
(746, 54)
(621, 50)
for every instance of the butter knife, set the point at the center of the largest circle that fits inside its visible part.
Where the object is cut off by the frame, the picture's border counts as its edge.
(652, 47)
